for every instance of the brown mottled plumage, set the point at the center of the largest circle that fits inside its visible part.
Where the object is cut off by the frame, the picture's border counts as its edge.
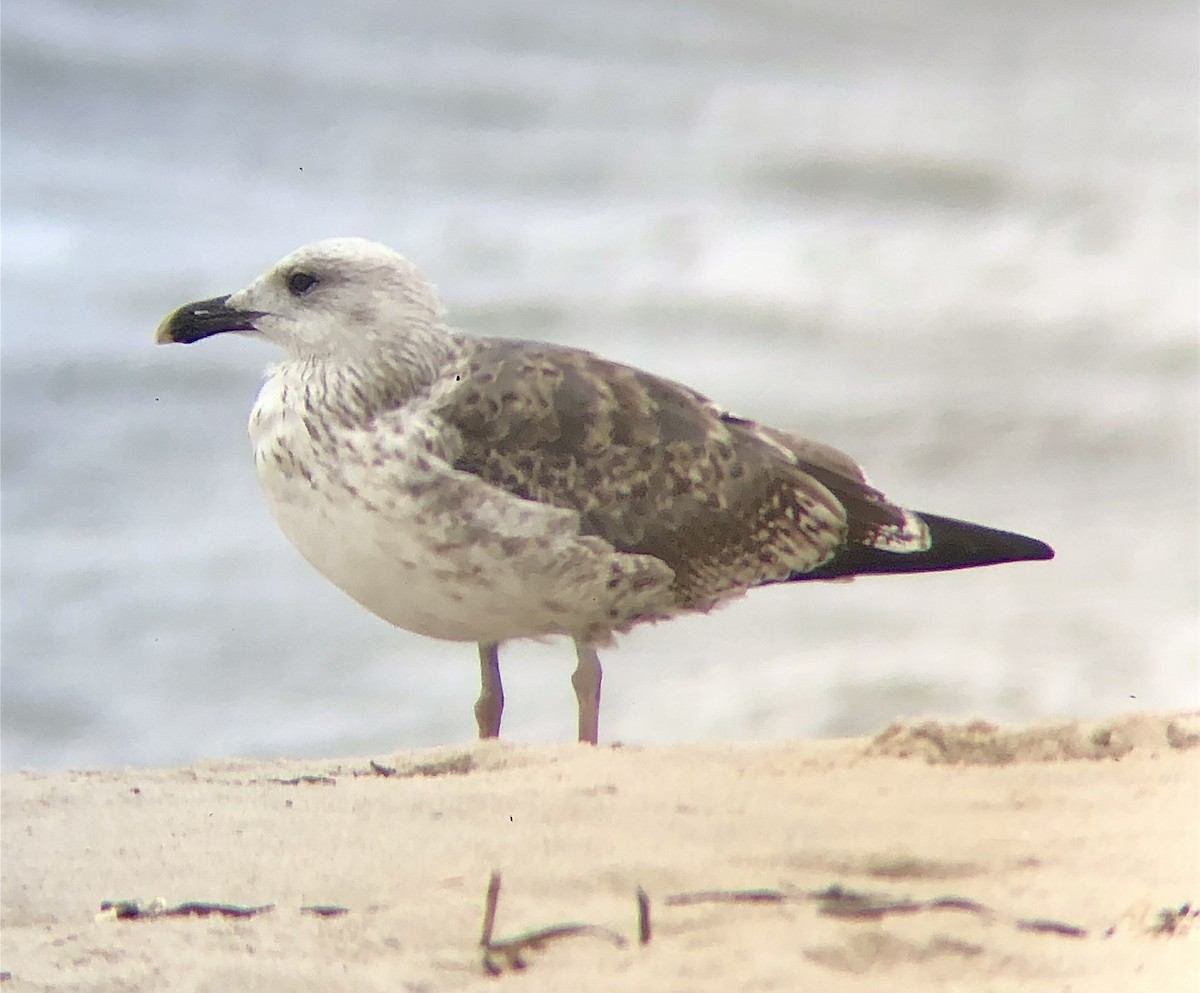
(654, 468)
(484, 489)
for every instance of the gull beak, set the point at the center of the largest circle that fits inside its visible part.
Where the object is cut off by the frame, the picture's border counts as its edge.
(204, 318)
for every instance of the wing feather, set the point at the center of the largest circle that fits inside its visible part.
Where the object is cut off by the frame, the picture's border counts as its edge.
(655, 468)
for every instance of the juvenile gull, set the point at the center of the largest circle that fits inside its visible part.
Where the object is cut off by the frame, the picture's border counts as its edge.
(483, 489)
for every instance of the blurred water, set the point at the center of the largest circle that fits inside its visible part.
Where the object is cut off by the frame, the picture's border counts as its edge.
(958, 241)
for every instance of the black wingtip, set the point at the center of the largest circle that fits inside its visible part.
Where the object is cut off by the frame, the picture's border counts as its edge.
(953, 545)
(975, 544)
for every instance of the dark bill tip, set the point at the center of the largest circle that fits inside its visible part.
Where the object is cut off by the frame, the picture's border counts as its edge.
(204, 318)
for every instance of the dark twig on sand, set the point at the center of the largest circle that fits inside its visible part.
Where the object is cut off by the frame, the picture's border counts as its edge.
(1051, 927)
(325, 910)
(489, 910)
(847, 904)
(512, 950)
(643, 916)
(133, 910)
(725, 896)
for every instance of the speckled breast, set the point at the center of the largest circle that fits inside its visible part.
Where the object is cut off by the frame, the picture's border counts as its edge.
(435, 551)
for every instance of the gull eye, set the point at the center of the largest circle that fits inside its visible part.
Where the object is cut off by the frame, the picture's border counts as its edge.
(300, 283)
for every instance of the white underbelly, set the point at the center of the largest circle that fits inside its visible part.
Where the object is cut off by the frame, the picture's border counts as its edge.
(399, 577)
(436, 551)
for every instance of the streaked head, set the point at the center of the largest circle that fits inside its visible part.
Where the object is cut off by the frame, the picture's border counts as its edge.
(337, 297)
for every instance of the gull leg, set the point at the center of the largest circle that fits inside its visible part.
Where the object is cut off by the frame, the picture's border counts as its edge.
(586, 680)
(490, 705)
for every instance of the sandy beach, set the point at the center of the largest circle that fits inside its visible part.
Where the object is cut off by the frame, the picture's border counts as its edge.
(932, 856)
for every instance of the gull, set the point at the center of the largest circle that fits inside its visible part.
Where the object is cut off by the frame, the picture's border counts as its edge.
(484, 489)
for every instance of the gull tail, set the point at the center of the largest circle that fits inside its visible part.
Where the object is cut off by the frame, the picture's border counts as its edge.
(953, 545)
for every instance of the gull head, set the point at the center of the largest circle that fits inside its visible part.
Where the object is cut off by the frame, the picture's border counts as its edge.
(336, 299)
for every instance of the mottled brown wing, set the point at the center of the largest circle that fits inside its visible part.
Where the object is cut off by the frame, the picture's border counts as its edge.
(872, 519)
(653, 467)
